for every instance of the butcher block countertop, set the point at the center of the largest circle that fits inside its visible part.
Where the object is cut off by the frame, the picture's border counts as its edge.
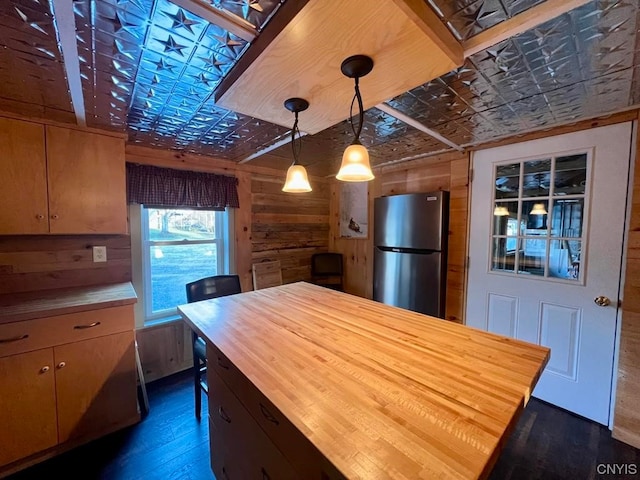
(26, 306)
(380, 391)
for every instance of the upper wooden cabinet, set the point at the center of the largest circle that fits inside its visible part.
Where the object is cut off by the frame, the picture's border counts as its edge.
(23, 178)
(59, 180)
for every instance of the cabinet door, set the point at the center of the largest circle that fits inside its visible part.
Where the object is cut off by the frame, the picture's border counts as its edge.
(27, 404)
(87, 182)
(95, 385)
(23, 178)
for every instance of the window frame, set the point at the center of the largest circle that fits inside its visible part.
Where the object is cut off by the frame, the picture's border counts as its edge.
(550, 199)
(224, 257)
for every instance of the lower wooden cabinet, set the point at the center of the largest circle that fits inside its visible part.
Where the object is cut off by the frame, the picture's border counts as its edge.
(78, 389)
(27, 404)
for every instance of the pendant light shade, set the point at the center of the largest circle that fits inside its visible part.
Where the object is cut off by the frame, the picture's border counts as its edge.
(501, 211)
(355, 165)
(538, 209)
(355, 160)
(297, 180)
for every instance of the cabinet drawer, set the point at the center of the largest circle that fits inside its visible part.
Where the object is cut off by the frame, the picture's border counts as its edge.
(45, 332)
(302, 454)
(236, 429)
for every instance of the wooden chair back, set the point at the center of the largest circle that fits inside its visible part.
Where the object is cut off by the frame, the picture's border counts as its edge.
(266, 274)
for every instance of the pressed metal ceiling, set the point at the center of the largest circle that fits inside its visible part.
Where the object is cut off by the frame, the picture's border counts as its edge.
(151, 68)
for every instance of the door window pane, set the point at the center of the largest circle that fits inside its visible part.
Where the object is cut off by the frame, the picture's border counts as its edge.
(537, 229)
(564, 259)
(570, 175)
(566, 217)
(537, 178)
(502, 259)
(507, 181)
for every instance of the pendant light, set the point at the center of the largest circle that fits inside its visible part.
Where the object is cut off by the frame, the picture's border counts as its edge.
(355, 160)
(538, 209)
(297, 180)
(500, 211)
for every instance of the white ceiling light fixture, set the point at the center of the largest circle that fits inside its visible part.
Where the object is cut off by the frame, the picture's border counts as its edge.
(297, 180)
(355, 160)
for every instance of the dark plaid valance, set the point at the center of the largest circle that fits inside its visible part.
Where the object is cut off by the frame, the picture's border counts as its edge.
(166, 187)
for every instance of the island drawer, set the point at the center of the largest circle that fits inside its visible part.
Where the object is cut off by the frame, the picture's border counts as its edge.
(28, 335)
(235, 430)
(298, 449)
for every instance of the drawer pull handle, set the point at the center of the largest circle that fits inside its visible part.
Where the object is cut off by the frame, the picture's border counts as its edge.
(265, 475)
(223, 415)
(62, 364)
(222, 364)
(44, 369)
(268, 415)
(14, 339)
(82, 327)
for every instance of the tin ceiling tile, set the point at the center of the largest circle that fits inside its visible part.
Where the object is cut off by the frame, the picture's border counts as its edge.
(467, 18)
(32, 76)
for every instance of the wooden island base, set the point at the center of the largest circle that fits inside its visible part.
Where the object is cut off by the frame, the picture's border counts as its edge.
(310, 383)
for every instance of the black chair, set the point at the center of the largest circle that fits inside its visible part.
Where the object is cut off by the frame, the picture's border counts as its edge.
(204, 289)
(326, 270)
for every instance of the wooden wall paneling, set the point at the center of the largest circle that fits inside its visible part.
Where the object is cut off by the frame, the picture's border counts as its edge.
(443, 172)
(32, 263)
(242, 225)
(164, 349)
(357, 253)
(288, 227)
(626, 422)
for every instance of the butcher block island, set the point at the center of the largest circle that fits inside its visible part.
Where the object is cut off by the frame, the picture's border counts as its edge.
(310, 383)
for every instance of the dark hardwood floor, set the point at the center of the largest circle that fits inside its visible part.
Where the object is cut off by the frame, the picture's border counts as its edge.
(548, 443)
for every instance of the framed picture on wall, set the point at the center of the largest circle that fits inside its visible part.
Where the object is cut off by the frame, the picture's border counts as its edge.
(354, 210)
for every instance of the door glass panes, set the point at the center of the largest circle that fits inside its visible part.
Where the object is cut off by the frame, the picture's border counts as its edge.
(507, 181)
(536, 178)
(501, 259)
(538, 217)
(570, 175)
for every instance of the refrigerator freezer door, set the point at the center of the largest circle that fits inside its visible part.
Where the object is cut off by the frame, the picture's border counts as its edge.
(409, 280)
(415, 220)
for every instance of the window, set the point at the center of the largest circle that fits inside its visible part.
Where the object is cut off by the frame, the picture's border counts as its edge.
(538, 217)
(179, 246)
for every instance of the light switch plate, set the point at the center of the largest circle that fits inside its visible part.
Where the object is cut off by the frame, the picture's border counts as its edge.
(99, 254)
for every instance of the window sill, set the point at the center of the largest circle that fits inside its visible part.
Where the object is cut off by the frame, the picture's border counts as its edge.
(162, 321)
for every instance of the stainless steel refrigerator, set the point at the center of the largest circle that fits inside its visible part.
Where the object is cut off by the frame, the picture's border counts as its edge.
(410, 251)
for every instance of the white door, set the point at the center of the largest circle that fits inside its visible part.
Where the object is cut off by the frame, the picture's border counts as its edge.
(547, 227)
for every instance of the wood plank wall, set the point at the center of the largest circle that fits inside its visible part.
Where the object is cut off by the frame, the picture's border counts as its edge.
(42, 262)
(443, 172)
(288, 227)
(627, 415)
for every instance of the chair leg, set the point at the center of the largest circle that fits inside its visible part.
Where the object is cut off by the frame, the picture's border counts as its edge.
(196, 375)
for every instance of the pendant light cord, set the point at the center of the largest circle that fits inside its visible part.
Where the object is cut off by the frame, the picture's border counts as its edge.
(360, 112)
(296, 149)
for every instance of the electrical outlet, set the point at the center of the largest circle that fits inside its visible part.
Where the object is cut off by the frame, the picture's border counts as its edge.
(99, 254)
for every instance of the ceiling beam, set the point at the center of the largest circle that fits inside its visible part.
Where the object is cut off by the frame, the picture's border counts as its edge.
(283, 141)
(65, 23)
(520, 23)
(230, 22)
(417, 125)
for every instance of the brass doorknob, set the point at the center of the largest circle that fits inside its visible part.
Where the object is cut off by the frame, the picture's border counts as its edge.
(602, 301)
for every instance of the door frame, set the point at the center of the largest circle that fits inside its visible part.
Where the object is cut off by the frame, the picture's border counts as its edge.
(625, 245)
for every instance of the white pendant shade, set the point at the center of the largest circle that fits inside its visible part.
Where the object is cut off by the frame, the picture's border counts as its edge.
(297, 180)
(355, 165)
(500, 211)
(538, 209)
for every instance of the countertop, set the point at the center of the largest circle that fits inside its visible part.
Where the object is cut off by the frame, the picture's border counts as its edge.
(380, 391)
(25, 306)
